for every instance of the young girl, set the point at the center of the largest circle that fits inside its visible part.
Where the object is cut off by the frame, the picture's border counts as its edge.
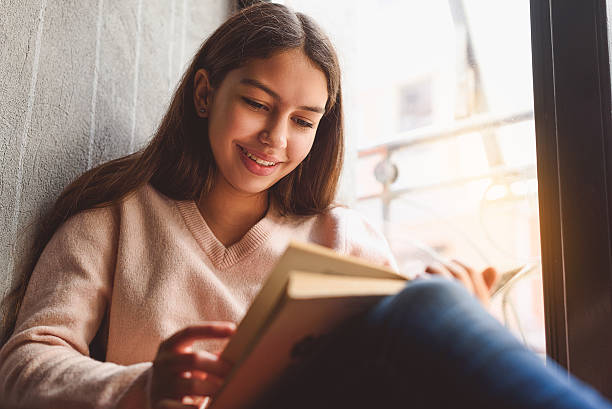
(150, 260)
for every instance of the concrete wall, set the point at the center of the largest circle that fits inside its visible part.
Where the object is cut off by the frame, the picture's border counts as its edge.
(82, 82)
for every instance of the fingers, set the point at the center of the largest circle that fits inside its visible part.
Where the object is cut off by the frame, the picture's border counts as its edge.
(174, 385)
(173, 404)
(452, 271)
(478, 284)
(180, 387)
(481, 291)
(179, 373)
(202, 361)
(183, 339)
(490, 276)
(438, 270)
(187, 402)
(177, 388)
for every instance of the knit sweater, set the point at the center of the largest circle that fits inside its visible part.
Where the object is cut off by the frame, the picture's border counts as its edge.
(123, 278)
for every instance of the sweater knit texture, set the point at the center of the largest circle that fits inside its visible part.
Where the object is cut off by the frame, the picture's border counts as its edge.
(114, 282)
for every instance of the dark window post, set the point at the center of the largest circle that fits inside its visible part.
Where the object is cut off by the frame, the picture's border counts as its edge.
(571, 76)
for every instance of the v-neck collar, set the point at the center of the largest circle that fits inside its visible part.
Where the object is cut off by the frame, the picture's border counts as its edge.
(224, 257)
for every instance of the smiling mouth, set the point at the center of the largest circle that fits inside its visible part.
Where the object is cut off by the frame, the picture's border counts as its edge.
(255, 159)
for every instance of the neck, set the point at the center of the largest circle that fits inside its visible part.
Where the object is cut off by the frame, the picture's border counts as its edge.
(230, 214)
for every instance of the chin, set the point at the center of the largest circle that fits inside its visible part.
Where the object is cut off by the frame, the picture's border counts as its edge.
(252, 188)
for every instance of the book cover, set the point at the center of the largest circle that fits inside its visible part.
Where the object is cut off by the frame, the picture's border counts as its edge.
(310, 291)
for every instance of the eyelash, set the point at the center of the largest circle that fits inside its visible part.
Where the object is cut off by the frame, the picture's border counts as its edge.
(258, 107)
(255, 105)
(302, 123)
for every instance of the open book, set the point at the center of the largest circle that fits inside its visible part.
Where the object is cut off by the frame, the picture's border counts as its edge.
(309, 292)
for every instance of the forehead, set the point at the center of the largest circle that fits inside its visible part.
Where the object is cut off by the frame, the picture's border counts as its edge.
(290, 74)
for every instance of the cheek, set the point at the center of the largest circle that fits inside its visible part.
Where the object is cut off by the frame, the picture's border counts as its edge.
(232, 123)
(300, 147)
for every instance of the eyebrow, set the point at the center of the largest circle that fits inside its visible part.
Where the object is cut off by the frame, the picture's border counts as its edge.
(267, 90)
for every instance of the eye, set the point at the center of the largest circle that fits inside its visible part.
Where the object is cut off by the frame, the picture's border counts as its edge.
(304, 124)
(254, 104)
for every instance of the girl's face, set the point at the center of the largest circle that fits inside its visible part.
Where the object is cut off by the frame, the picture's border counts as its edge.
(263, 118)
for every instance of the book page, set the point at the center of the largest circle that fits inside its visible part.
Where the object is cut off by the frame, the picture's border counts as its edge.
(302, 257)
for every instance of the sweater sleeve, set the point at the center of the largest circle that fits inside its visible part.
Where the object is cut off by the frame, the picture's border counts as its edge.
(348, 232)
(365, 241)
(46, 363)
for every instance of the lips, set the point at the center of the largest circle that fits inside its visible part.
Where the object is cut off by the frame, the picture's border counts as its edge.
(257, 159)
(255, 164)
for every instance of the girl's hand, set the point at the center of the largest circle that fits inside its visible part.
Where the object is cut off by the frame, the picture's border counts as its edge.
(479, 284)
(183, 378)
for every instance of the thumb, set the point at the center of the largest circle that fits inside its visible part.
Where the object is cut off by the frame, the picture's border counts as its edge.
(490, 277)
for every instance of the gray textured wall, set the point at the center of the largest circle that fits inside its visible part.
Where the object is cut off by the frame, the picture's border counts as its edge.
(82, 82)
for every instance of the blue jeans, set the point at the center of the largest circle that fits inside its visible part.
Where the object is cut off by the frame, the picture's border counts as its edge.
(430, 346)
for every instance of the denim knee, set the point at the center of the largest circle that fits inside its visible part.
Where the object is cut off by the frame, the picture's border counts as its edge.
(440, 318)
(424, 300)
(438, 330)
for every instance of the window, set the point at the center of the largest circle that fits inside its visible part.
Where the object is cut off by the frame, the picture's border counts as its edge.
(414, 105)
(440, 115)
(447, 123)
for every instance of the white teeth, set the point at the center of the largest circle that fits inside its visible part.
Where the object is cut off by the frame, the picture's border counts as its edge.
(256, 159)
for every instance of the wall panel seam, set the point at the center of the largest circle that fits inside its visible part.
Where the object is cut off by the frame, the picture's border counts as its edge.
(94, 94)
(136, 72)
(28, 119)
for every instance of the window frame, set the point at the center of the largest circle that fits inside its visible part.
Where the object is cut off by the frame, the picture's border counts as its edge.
(572, 109)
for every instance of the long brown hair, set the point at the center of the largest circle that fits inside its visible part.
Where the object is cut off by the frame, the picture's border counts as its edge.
(179, 162)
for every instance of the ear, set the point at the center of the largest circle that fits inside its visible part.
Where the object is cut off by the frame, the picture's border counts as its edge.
(202, 93)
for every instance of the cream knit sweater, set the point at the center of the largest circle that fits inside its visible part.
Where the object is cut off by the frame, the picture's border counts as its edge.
(133, 274)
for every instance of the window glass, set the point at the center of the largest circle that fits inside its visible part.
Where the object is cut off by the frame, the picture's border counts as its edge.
(440, 136)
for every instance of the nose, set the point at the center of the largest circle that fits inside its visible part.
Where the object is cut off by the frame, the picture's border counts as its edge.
(275, 134)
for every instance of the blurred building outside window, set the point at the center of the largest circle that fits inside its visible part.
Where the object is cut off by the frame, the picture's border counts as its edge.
(440, 136)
